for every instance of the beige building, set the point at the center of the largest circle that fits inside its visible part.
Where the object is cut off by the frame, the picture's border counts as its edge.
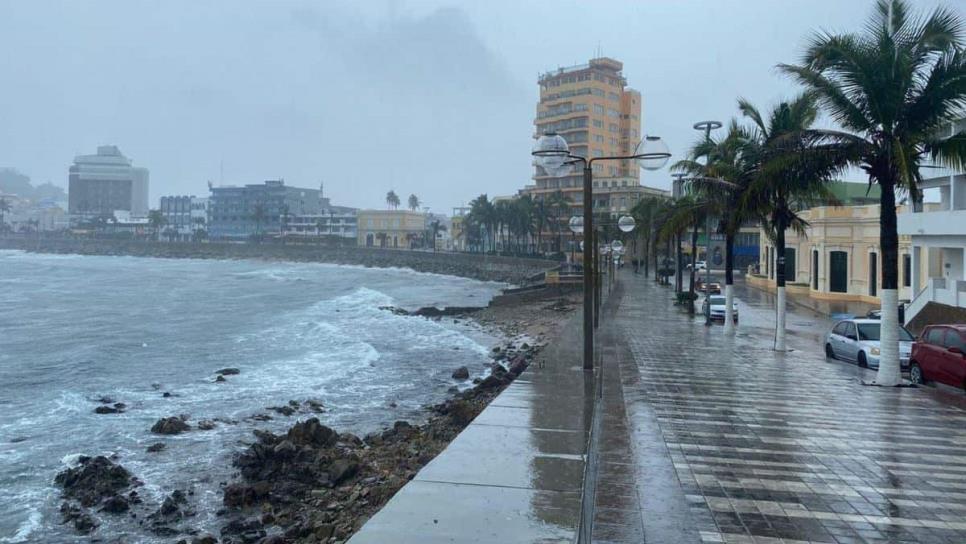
(838, 257)
(391, 228)
(591, 106)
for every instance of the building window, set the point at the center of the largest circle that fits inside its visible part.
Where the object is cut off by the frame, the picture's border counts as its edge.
(598, 109)
(906, 270)
(598, 123)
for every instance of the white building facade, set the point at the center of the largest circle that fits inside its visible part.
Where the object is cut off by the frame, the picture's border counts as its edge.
(938, 241)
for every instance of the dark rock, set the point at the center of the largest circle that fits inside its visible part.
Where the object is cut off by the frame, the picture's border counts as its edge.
(453, 389)
(133, 497)
(228, 372)
(477, 381)
(166, 394)
(274, 539)
(294, 404)
(285, 449)
(105, 400)
(284, 410)
(170, 425)
(116, 505)
(204, 539)
(206, 425)
(490, 382)
(81, 520)
(265, 437)
(518, 365)
(106, 410)
(315, 406)
(156, 447)
(462, 412)
(342, 469)
(312, 433)
(171, 507)
(461, 373)
(220, 379)
(93, 479)
(120, 405)
(246, 531)
(18, 439)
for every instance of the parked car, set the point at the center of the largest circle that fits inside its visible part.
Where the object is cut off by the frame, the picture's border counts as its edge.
(858, 340)
(716, 305)
(699, 265)
(939, 354)
(713, 286)
(874, 314)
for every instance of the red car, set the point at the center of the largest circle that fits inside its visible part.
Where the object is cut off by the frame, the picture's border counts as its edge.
(939, 354)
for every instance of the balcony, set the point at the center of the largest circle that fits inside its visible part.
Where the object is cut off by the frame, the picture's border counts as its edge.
(936, 223)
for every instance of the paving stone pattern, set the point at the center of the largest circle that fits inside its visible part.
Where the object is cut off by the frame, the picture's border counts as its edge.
(767, 447)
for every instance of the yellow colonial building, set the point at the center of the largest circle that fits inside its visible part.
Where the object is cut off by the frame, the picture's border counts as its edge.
(837, 258)
(391, 228)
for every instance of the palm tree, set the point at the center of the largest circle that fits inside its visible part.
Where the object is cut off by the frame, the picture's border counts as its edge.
(541, 215)
(4, 208)
(688, 212)
(414, 202)
(392, 199)
(790, 173)
(893, 88)
(559, 205)
(728, 168)
(259, 215)
(483, 215)
(645, 214)
(436, 227)
(156, 220)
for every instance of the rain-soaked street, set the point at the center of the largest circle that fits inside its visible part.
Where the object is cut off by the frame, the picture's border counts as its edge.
(716, 439)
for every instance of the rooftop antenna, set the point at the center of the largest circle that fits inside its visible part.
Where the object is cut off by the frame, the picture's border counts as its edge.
(321, 189)
(221, 172)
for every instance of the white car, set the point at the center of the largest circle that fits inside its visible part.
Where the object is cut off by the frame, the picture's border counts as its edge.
(699, 265)
(858, 340)
(716, 305)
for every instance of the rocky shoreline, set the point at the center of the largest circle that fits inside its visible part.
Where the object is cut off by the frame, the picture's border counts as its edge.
(512, 270)
(313, 484)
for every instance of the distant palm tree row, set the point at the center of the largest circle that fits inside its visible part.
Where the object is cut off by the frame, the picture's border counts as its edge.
(393, 202)
(893, 89)
(517, 225)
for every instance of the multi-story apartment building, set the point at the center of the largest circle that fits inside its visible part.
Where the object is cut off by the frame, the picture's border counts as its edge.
(183, 215)
(100, 184)
(240, 212)
(591, 106)
(457, 230)
(937, 260)
(331, 220)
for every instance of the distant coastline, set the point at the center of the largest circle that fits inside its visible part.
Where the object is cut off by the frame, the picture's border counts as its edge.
(512, 270)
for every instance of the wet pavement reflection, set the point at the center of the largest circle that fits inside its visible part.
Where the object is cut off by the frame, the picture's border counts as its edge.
(729, 441)
(515, 474)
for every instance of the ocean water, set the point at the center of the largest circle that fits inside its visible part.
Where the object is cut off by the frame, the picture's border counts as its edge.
(75, 328)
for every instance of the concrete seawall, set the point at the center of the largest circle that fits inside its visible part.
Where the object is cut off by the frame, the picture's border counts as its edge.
(513, 270)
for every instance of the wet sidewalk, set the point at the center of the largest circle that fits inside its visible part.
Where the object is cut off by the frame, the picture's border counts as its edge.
(733, 442)
(515, 474)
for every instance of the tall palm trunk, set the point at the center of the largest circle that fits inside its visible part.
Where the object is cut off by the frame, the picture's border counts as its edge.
(657, 273)
(889, 369)
(780, 286)
(678, 277)
(647, 255)
(694, 266)
(729, 324)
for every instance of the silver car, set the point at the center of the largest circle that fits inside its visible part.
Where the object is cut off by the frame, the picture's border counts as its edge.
(715, 305)
(857, 340)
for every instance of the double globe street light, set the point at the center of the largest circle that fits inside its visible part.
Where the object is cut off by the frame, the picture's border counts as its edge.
(553, 155)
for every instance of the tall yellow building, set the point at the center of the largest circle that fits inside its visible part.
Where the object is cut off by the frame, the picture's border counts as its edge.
(591, 106)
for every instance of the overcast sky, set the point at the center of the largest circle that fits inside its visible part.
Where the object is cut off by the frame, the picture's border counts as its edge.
(430, 97)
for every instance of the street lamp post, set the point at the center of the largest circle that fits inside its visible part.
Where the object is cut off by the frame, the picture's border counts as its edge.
(553, 155)
(707, 127)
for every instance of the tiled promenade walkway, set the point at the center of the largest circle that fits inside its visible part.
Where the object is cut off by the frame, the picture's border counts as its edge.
(732, 442)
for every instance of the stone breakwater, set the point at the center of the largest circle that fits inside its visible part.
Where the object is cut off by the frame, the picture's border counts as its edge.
(513, 270)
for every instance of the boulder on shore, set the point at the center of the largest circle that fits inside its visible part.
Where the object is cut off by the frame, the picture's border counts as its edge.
(93, 480)
(170, 425)
(312, 433)
(461, 373)
(228, 372)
